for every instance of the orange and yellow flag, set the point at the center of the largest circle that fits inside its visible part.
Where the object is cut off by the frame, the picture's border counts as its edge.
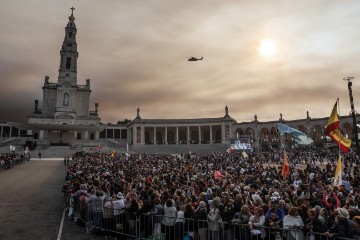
(332, 130)
(285, 168)
(338, 173)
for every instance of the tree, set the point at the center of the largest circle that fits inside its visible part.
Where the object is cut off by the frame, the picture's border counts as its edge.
(125, 121)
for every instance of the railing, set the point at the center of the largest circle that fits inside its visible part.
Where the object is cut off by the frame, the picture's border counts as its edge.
(50, 85)
(83, 87)
(131, 225)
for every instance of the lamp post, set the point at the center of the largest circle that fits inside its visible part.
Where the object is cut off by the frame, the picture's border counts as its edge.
(355, 137)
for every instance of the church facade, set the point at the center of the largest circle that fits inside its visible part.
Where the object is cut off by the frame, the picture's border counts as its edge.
(65, 115)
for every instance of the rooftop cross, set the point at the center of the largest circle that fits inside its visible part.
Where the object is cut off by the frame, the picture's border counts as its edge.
(72, 10)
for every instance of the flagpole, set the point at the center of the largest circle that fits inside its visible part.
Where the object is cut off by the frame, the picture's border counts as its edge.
(339, 156)
(338, 107)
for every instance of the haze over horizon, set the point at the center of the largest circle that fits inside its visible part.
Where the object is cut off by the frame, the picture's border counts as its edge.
(260, 57)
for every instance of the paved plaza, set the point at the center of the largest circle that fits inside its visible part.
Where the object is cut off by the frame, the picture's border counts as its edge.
(32, 203)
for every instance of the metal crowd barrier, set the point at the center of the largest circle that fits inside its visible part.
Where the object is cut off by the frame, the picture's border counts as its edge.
(127, 225)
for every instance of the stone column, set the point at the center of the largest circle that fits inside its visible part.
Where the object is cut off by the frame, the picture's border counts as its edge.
(75, 135)
(230, 131)
(188, 135)
(86, 135)
(211, 138)
(1, 133)
(154, 135)
(142, 134)
(128, 135)
(222, 132)
(10, 131)
(177, 135)
(113, 130)
(200, 134)
(134, 134)
(166, 141)
(105, 132)
(97, 134)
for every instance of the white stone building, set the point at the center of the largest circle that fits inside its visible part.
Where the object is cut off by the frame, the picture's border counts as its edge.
(65, 115)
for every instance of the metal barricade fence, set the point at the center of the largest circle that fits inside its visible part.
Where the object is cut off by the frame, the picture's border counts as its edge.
(126, 225)
(322, 236)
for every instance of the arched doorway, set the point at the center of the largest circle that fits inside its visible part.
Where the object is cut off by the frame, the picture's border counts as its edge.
(182, 137)
(170, 138)
(194, 137)
(159, 139)
(206, 137)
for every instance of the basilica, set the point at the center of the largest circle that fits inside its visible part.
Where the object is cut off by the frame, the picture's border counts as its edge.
(66, 118)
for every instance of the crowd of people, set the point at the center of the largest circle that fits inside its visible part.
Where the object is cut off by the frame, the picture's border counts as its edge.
(8, 160)
(206, 195)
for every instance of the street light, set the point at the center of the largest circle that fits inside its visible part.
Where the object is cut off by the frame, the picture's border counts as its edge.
(355, 137)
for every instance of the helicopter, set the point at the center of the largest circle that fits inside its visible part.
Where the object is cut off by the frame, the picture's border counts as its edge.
(194, 58)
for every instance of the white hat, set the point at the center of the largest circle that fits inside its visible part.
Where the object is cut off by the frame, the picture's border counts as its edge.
(343, 212)
(276, 195)
(120, 195)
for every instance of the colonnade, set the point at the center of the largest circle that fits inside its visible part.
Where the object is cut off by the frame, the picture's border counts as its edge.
(141, 133)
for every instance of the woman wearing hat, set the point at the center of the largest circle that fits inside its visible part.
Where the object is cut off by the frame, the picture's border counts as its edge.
(119, 211)
(340, 228)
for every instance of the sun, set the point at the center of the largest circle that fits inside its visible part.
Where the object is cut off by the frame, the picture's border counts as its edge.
(267, 48)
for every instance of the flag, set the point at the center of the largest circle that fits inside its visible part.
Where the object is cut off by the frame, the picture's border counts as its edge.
(285, 167)
(244, 155)
(332, 130)
(299, 137)
(99, 148)
(338, 173)
(229, 150)
(218, 175)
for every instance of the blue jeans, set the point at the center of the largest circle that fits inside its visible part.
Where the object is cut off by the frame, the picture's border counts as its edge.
(97, 219)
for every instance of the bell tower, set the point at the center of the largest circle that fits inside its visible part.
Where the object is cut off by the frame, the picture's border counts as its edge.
(69, 54)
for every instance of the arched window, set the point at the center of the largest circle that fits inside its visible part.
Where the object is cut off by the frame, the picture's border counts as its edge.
(68, 62)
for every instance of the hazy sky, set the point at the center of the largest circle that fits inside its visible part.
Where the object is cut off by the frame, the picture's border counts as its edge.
(135, 53)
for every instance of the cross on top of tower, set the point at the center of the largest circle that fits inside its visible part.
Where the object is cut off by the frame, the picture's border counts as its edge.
(72, 10)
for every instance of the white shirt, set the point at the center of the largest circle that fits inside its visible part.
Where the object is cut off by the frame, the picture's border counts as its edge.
(119, 206)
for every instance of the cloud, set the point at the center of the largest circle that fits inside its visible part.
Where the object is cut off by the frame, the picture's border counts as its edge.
(135, 53)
